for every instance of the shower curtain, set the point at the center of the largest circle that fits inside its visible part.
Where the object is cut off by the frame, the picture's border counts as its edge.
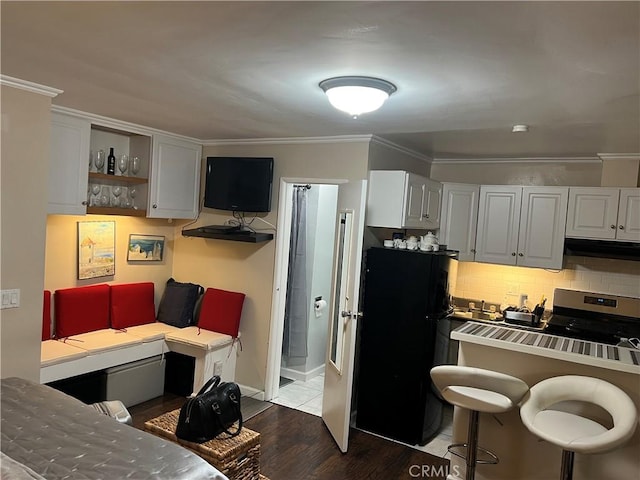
(296, 312)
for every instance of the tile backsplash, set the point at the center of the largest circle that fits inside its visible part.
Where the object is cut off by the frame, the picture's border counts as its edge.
(503, 283)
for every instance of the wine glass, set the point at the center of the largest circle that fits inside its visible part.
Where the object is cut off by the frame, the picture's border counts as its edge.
(105, 196)
(100, 158)
(123, 163)
(135, 165)
(133, 193)
(116, 190)
(125, 201)
(95, 189)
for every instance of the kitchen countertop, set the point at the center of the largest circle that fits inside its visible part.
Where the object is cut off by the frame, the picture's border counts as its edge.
(526, 340)
(499, 320)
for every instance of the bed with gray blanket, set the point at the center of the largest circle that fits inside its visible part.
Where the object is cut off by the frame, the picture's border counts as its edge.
(48, 434)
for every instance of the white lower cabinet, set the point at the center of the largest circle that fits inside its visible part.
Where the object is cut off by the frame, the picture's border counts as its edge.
(459, 219)
(521, 225)
(68, 164)
(174, 183)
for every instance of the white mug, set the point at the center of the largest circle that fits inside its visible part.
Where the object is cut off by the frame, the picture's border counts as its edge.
(388, 243)
(436, 247)
(426, 247)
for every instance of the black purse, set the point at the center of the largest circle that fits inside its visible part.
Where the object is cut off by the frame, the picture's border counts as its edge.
(211, 412)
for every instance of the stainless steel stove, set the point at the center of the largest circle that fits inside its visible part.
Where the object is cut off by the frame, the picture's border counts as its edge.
(597, 317)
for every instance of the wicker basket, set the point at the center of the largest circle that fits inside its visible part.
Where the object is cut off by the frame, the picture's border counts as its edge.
(237, 457)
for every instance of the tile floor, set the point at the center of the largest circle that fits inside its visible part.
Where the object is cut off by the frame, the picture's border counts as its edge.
(303, 396)
(438, 445)
(307, 397)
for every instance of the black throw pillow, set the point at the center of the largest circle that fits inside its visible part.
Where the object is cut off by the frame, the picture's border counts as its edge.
(178, 303)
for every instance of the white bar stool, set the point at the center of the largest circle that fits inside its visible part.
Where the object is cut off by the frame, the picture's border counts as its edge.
(572, 432)
(477, 390)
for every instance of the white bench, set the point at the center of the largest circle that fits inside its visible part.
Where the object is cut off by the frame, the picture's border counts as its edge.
(101, 349)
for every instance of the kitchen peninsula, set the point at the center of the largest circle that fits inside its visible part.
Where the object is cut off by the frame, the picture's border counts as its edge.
(534, 356)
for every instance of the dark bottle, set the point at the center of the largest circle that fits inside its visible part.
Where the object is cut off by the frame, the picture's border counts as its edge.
(111, 162)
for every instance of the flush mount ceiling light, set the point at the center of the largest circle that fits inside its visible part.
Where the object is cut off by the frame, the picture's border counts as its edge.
(357, 95)
(520, 128)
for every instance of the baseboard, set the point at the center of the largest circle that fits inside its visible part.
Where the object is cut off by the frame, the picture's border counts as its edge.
(301, 376)
(251, 392)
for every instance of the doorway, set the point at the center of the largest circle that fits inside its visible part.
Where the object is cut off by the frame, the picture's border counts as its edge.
(297, 353)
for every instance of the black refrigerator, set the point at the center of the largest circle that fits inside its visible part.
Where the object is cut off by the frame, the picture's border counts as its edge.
(406, 294)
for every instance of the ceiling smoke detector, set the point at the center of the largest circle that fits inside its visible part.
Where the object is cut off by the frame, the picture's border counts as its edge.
(520, 128)
(357, 95)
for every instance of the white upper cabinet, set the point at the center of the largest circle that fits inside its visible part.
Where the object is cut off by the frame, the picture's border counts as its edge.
(629, 215)
(521, 225)
(68, 165)
(399, 199)
(432, 207)
(604, 213)
(498, 224)
(459, 218)
(174, 184)
(542, 220)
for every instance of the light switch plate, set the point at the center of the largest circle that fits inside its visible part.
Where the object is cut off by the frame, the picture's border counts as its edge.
(10, 298)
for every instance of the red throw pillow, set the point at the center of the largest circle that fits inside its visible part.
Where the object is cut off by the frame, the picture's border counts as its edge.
(81, 310)
(46, 316)
(220, 311)
(132, 304)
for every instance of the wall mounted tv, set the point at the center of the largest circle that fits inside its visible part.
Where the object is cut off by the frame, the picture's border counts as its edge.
(241, 184)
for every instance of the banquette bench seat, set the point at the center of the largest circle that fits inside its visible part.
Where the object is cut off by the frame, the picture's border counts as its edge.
(103, 326)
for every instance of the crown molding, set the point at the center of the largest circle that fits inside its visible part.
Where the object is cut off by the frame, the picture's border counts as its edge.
(29, 86)
(287, 140)
(476, 161)
(316, 140)
(619, 156)
(118, 124)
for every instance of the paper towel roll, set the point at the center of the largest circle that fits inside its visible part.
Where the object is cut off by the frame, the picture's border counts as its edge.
(319, 306)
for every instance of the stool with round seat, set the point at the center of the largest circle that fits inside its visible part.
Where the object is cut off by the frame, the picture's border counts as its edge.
(573, 432)
(477, 390)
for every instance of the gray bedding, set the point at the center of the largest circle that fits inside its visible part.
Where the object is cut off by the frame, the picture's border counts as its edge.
(52, 435)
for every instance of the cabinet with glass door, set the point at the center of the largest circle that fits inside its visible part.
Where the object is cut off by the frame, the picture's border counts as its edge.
(118, 172)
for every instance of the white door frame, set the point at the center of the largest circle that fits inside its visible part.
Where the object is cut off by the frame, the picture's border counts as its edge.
(276, 331)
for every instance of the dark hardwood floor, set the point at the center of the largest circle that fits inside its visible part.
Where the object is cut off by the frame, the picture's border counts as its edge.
(297, 446)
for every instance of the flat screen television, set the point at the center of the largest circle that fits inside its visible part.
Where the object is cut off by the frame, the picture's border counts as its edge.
(241, 184)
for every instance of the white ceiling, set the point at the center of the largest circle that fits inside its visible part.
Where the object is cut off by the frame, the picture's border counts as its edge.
(465, 71)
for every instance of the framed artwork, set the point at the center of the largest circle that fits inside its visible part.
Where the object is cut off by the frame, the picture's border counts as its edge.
(96, 249)
(145, 248)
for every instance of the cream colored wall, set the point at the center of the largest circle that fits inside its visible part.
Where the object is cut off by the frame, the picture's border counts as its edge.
(249, 268)
(620, 173)
(384, 157)
(23, 196)
(62, 252)
(521, 173)
(484, 281)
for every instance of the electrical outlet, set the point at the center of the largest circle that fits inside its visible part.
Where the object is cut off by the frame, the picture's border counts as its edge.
(10, 298)
(217, 368)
